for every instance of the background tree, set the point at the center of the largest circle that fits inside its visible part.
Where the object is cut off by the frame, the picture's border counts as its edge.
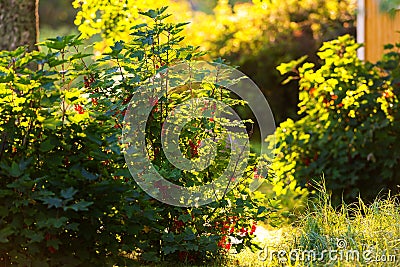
(19, 23)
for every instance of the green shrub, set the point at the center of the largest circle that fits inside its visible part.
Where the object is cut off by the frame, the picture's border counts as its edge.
(58, 197)
(67, 196)
(349, 126)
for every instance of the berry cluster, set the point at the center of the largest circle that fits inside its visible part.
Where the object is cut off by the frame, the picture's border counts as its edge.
(230, 227)
(79, 109)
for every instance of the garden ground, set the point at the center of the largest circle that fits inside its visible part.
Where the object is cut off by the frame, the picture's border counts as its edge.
(349, 235)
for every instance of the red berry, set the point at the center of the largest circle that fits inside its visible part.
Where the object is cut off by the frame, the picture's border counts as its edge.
(79, 108)
(47, 236)
(126, 100)
(182, 255)
(52, 250)
(253, 229)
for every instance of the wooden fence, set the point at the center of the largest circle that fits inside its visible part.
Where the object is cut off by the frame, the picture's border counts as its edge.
(379, 29)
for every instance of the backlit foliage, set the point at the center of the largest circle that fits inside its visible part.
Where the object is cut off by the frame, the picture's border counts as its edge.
(248, 27)
(113, 19)
(255, 35)
(68, 198)
(349, 126)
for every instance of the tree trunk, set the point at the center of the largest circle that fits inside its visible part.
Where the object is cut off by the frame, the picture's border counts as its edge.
(19, 24)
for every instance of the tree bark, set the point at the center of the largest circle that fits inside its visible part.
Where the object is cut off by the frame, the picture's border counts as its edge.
(19, 24)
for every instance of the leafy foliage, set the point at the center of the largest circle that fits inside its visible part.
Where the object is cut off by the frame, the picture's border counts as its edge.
(256, 35)
(60, 203)
(114, 19)
(389, 6)
(349, 124)
(67, 196)
(259, 36)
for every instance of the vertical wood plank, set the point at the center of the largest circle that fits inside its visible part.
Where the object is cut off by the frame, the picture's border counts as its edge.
(380, 29)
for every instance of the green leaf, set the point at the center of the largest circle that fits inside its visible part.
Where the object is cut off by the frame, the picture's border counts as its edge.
(388, 46)
(6, 77)
(211, 246)
(261, 210)
(181, 24)
(286, 213)
(15, 170)
(89, 176)
(169, 237)
(55, 62)
(131, 210)
(79, 56)
(150, 256)
(191, 246)
(68, 193)
(51, 123)
(185, 217)
(48, 144)
(53, 202)
(5, 233)
(72, 226)
(94, 138)
(54, 45)
(169, 249)
(189, 235)
(123, 172)
(80, 206)
(53, 242)
(275, 203)
(116, 49)
(57, 222)
(138, 26)
(239, 202)
(288, 67)
(24, 163)
(150, 214)
(34, 236)
(151, 13)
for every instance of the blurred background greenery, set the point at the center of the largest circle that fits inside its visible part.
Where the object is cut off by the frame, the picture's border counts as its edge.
(255, 35)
